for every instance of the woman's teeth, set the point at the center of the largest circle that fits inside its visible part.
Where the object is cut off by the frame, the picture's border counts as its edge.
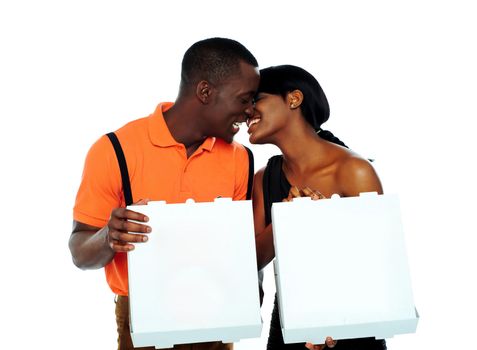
(253, 121)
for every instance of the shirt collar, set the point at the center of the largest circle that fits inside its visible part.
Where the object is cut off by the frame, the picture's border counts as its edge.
(160, 134)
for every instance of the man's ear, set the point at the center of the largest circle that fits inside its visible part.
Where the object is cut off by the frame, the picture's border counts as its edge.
(295, 98)
(203, 91)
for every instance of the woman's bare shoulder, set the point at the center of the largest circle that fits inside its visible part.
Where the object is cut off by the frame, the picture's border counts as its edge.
(356, 174)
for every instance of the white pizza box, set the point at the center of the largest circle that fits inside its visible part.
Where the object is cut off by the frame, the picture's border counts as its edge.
(195, 279)
(341, 268)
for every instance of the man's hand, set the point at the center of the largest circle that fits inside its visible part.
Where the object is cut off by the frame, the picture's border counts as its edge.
(329, 343)
(124, 227)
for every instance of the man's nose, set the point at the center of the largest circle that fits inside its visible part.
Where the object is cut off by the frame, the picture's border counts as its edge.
(249, 111)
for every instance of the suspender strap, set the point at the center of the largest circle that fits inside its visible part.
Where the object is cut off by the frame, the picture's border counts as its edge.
(125, 174)
(250, 173)
(122, 167)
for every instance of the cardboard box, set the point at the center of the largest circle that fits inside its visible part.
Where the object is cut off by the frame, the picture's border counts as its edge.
(195, 280)
(341, 269)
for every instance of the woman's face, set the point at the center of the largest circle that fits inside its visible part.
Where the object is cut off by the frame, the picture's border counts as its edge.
(271, 116)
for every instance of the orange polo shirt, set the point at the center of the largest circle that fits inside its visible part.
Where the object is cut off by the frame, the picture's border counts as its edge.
(159, 170)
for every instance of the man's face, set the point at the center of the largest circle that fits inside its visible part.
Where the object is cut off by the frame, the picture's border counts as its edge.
(233, 103)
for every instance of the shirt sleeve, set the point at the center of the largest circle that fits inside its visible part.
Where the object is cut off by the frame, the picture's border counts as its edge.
(100, 188)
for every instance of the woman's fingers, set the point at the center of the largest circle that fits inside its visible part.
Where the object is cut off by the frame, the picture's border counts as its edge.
(330, 342)
(294, 192)
(308, 192)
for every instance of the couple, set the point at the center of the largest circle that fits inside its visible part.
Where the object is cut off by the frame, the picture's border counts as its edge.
(186, 150)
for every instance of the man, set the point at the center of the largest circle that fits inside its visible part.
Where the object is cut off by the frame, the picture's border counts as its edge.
(183, 150)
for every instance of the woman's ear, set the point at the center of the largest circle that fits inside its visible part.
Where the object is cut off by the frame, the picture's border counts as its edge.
(295, 98)
(203, 91)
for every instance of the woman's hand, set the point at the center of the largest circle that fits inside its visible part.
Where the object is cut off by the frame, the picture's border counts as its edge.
(295, 192)
(329, 343)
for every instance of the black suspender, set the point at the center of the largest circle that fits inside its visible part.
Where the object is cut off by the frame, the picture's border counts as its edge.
(125, 174)
(122, 167)
(250, 173)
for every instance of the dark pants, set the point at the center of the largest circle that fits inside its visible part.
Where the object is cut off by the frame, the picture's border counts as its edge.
(275, 338)
(124, 334)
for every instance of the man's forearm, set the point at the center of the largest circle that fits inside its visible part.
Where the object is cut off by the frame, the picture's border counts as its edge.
(91, 250)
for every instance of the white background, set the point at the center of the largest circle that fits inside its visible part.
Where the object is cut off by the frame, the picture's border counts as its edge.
(401, 81)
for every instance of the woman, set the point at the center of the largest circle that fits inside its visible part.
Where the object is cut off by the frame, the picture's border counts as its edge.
(290, 109)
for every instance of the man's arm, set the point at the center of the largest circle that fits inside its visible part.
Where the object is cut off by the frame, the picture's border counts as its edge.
(93, 247)
(89, 246)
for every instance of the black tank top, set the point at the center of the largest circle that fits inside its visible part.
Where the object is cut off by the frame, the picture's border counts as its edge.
(275, 185)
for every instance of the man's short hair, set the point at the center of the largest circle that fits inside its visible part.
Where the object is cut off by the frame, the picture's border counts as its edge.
(214, 60)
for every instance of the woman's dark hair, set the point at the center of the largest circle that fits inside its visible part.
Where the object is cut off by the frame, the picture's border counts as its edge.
(280, 80)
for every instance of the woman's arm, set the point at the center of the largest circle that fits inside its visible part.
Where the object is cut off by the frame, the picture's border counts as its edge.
(263, 234)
